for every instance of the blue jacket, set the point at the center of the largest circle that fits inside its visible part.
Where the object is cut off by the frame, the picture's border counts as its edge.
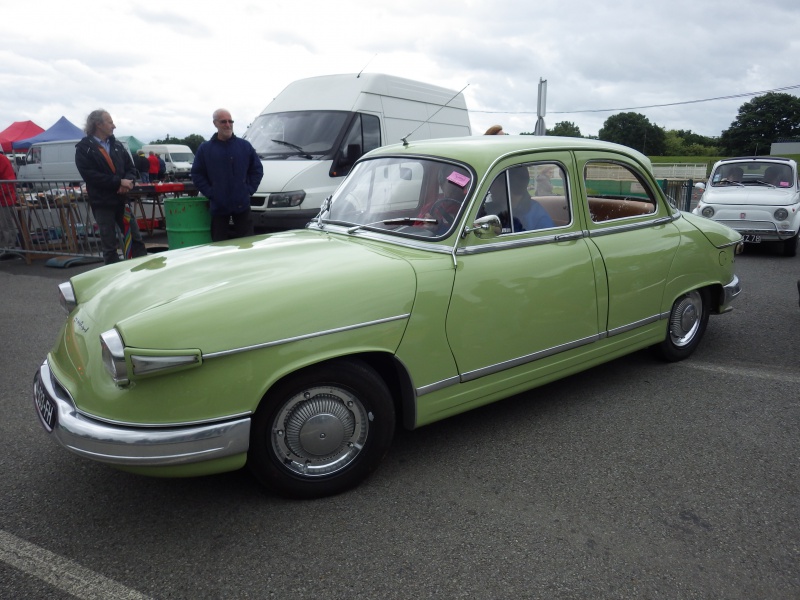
(227, 173)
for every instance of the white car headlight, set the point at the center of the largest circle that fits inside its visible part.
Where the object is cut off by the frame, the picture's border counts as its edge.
(707, 212)
(781, 214)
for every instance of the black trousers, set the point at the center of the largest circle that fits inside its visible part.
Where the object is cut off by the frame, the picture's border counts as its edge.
(242, 226)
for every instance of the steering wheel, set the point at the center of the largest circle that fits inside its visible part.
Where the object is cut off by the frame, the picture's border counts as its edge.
(439, 212)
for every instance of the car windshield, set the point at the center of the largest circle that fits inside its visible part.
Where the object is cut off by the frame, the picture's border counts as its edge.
(408, 196)
(756, 173)
(182, 157)
(298, 135)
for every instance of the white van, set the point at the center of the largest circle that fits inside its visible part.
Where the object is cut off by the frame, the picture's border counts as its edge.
(50, 161)
(310, 135)
(177, 157)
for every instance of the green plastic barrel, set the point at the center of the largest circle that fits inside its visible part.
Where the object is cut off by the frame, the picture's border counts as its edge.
(188, 222)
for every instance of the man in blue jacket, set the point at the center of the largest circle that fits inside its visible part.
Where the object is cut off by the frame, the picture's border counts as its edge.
(227, 171)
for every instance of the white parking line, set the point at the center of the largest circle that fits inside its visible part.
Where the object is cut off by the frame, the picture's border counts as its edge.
(61, 573)
(748, 372)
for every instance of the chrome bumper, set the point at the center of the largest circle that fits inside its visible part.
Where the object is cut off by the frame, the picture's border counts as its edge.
(128, 445)
(729, 292)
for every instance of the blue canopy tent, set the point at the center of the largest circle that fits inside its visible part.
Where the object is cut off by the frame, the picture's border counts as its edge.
(62, 129)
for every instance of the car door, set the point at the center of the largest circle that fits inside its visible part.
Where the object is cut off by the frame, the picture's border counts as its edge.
(524, 294)
(632, 227)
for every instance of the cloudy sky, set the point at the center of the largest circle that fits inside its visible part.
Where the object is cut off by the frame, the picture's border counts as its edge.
(162, 67)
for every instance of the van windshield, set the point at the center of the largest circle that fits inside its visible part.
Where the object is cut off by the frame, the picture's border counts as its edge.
(182, 157)
(301, 134)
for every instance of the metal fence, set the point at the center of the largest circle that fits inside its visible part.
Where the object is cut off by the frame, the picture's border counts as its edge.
(696, 171)
(680, 193)
(54, 218)
(47, 218)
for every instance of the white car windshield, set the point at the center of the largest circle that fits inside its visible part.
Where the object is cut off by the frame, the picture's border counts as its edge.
(409, 196)
(750, 172)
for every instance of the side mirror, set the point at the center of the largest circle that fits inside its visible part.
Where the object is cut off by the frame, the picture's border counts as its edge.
(486, 228)
(700, 185)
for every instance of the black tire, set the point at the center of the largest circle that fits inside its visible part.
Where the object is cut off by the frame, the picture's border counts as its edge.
(687, 324)
(322, 430)
(790, 246)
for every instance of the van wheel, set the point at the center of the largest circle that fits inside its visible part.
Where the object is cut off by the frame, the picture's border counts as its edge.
(322, 430)
(687, 324)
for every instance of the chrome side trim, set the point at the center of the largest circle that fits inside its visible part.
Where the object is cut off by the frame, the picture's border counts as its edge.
(515, 362)
(528, 358)
(637, 324)
(517, 243)
(439, 385)
(138, 446)
(630, 226)
(304, 337)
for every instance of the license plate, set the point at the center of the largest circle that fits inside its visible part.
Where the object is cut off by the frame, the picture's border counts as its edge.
(45, 407)
(752, 239)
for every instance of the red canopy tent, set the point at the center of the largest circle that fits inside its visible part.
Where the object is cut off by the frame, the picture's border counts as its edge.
(19, 130)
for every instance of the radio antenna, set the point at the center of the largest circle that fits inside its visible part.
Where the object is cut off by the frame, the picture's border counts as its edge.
(366, 65)
(405, 139)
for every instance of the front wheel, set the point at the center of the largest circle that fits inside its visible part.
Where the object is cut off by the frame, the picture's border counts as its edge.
(687, 324)
(322, 430)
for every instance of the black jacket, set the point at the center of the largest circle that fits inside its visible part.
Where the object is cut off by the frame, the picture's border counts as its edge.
(101, 182)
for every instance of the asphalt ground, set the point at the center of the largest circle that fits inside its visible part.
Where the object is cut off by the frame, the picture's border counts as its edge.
(636, 479)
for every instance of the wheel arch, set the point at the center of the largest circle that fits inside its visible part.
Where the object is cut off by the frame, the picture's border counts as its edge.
(385, 364)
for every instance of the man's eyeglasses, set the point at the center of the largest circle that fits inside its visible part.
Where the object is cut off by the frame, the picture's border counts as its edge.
(224, 121)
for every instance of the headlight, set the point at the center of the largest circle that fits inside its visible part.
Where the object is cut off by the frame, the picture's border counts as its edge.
(707, 212)
(781, 214)
(66, 296)
(286, 199)
(114, 356)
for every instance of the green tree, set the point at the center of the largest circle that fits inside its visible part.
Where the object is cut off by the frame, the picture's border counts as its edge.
(193, 141)
(636, 131)
(565, 129)
(760, 122)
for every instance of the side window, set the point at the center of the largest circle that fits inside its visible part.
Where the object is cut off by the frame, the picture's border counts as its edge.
(616, 191)
(528, 198)
(364, 135)
(34, 156)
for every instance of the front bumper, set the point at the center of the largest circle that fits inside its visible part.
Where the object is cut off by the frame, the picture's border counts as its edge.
(132, 446)
(276, 219)
(729, 292)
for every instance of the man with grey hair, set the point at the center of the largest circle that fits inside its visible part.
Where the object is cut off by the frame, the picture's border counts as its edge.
(227, 171)
(109, 173)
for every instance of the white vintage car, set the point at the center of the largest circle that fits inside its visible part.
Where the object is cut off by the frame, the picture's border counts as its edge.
(757, 196)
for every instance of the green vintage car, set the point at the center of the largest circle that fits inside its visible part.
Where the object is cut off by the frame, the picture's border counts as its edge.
(441, 276)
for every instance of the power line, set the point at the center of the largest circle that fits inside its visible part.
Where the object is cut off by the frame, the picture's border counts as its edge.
(597, 110)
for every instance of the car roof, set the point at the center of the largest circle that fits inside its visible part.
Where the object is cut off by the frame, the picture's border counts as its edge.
(484, 149)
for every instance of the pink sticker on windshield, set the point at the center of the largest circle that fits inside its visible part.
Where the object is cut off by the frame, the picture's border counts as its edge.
(783, 184)
(459, 179)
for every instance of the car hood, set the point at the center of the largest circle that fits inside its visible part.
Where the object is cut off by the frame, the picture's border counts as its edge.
(751, 195)
(718, 234)
(245, 292)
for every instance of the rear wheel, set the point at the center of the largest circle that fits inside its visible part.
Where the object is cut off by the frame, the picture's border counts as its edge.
(322, 430)
(687, 324)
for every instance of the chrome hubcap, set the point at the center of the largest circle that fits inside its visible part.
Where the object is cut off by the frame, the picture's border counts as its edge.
(319, 431)
(685, 319)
